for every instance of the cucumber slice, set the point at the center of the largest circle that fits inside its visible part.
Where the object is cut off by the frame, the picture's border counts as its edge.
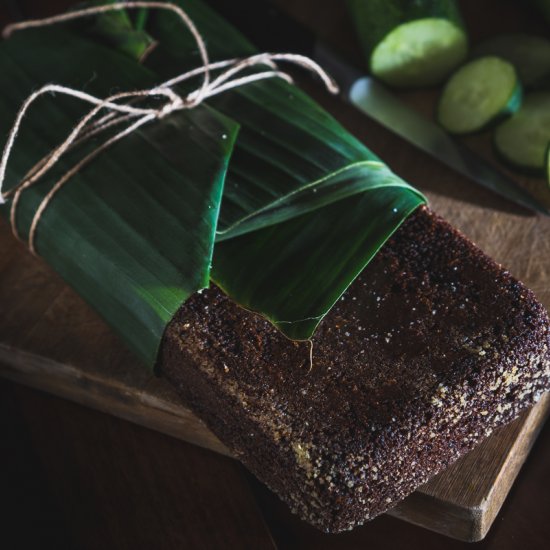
(529, 54)
(419, 53)
(478, 94)
(548, 165)
(410, 43)
(522, 140)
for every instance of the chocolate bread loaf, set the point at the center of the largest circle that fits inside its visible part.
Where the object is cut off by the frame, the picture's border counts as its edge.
(429, 350)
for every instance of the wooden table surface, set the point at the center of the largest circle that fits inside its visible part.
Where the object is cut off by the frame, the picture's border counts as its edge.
(71, 477)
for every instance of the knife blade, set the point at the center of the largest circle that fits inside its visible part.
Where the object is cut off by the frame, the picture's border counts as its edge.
(271, 30)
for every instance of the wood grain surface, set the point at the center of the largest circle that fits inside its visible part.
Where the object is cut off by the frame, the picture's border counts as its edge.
(67, 350)
(52, 341)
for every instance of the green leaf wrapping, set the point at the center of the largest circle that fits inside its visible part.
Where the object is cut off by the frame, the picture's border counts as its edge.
(305, 205)
(292, 236)
(323, 250)
(133, 232)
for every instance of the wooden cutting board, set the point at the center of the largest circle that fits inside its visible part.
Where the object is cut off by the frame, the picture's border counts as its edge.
(52, 341)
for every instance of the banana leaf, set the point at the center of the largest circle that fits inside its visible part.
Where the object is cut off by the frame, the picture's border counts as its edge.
(305, 205)
(134, 231)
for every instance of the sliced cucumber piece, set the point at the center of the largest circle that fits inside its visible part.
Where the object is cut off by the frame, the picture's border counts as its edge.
(419, 53)
(522, 140)
(478, 94)
(410, 43)
(529, 54)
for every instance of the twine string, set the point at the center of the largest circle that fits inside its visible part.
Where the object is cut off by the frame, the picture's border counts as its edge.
(124, 107)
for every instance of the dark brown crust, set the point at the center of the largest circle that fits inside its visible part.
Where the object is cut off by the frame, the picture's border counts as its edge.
(429, 350)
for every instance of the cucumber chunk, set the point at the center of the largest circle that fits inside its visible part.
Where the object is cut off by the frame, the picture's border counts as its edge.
(419, 53)
(523, 139)
(410, 43)
(478, 94)
(529, 54)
